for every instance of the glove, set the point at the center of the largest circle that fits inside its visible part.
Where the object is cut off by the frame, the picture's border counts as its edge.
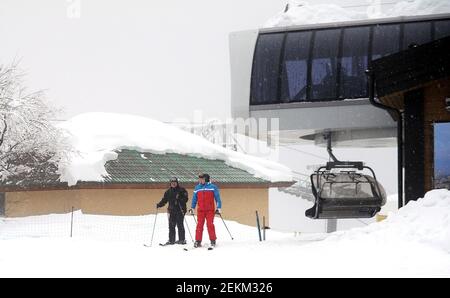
(191, 211)
(157, 206)
(218, 211)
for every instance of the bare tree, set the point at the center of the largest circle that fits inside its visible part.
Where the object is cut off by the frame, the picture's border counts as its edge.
(31, 146)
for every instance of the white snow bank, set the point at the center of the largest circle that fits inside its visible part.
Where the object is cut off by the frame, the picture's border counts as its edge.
(412, 242)
(390, 206)
(418, 7)
(408, 244)
(302, 13)
(313, 14)
(425, 221)
(95, 136)
(131, 229)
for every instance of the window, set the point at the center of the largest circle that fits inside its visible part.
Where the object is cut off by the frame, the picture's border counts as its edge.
(287, 69)
(324, 64)
(386, 40)
(2, 204)
(441, 29)
(416, 33)
(442, 155)
(294, 74)
(355, 46)
(266, 69)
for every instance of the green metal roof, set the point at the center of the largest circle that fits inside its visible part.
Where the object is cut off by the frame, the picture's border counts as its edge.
(136, 167)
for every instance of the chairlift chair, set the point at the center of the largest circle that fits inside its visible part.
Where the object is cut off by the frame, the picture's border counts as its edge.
(344, 189)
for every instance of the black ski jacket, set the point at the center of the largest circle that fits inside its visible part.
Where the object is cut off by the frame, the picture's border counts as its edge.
(176, 197)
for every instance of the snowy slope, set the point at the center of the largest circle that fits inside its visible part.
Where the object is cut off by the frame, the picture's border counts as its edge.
(307, 13)
(96, 135)
(426, 221)
(413, 242)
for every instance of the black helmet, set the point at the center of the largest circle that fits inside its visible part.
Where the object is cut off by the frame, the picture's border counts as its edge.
(206, 176)
(174, 179)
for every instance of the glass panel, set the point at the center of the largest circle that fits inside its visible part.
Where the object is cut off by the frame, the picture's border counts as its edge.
(295, 66)
(442, 155)
(324, 64)
(441, 29)
(416, 33)
(355, 48)
(266, 68)
(386, 40)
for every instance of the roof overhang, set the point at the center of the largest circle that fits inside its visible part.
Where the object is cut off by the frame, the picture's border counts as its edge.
(97, 185)
(412, 69)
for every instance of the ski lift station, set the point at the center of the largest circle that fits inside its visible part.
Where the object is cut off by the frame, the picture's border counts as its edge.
(314, 79)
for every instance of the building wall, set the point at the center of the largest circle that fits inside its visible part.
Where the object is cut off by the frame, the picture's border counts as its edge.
(434, 112)
(237, 204)
(41, 202)
(120, 201)
(240, 205)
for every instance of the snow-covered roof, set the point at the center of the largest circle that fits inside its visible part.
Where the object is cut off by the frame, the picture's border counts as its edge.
(95, 137)
(303, 13)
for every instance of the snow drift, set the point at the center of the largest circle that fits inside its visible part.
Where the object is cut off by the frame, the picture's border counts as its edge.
(303, 13)
(95, 136)
(425, 221)
(412, 242)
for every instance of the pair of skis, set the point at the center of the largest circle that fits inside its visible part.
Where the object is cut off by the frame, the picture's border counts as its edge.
(161, 244)
(209, 247)
(192, 248)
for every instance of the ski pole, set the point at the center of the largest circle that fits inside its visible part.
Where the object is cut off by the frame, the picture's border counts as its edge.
(226, 226)
(193, 215)
(258, 226)
(264, 228)
(187, 226)
(154, 225)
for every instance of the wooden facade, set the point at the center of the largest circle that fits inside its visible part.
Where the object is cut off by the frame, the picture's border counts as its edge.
(238, 204)
(416, 82)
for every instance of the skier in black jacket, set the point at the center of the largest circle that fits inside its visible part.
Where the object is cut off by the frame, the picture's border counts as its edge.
(177, 198)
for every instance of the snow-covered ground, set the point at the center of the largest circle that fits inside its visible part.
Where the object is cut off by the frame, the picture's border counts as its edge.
(412, 242)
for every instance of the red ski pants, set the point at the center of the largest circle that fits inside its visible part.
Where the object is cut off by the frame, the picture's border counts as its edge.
(209, 217)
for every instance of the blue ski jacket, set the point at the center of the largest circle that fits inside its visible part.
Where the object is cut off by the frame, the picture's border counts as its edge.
(205, 195)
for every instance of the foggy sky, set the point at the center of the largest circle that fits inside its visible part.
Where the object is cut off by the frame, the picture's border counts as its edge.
(160, 59)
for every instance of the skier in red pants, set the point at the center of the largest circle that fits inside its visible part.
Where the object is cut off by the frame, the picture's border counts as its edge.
(205, 193)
